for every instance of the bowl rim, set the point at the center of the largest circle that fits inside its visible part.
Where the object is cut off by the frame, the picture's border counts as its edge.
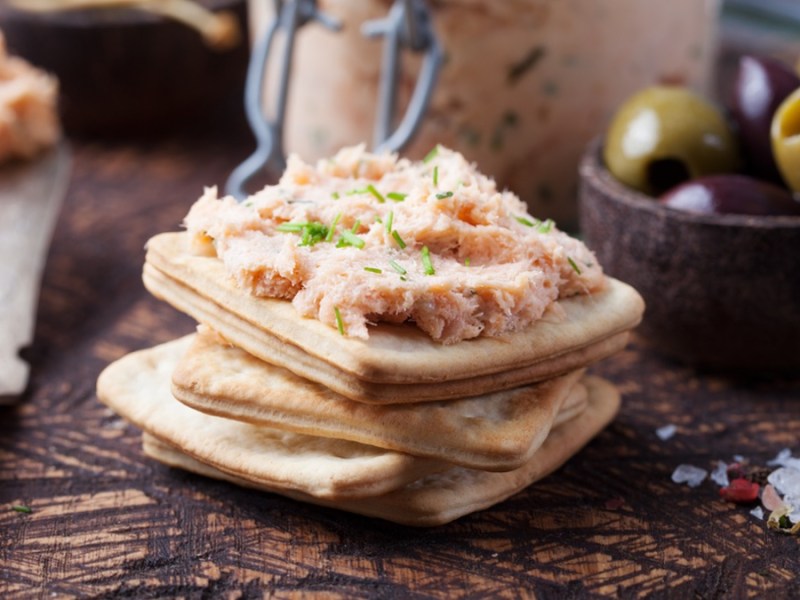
(593, 170)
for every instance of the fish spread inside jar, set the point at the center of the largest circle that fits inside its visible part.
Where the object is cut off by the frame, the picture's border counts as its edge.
(361, 238)
(28, 115)
(526, 84)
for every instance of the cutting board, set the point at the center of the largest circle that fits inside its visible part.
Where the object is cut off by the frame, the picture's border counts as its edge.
(31, 193)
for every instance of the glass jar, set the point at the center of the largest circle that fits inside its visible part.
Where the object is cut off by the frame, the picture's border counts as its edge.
(524, 86)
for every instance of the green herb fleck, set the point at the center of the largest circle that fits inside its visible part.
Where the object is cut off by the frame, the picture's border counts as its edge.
(248, 204)
(443, 195)
(574, 266)
(398, 239)
(332, 227)
(525, 64)
(356, 226)
(470, 135)
(427, 265)
(546, 226)
(339, 322)
(436, 176)
(291, 227)
(784, 522)
(527, 222)
(350, 239)
(21, 508)
(373, 190)
(432, 154)
(311, 233)
(510, 118)
(396, 196)
(336, 195)
(356, 191)
(550, 88)
(466, 262)
(389, 222)
(397, 267)
(373, 270)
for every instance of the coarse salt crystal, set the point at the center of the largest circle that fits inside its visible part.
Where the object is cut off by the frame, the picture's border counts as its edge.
(720, 474)
(786, 480)
(784, 458)
(666, 432)
(758, 512)
(689, 474)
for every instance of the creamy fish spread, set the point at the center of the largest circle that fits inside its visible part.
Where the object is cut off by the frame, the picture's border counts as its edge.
(28, 114)
(362, 238)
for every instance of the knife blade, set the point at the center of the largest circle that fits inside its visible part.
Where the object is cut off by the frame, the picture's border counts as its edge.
(31, 193)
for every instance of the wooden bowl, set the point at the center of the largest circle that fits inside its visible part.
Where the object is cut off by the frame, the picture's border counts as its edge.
(126, 71)
(722, 292)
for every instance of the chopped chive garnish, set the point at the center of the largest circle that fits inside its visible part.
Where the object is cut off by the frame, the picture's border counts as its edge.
(432, 154)
(356, 191)
(527, 222)
(575, 267)
(332, 227)
(248, 204)
(436, 176)
(311, 233)
(373, 270)
(339, 323)
(21, 508)
(396, 196)
(466, 262)
(398, 239)
(443, 195)
(426, 261)
(397, 267)
(336, 195)
(546, 226)
(352, 239)
(292, 227)
(389, 222)
(371, 189)
(356, 225)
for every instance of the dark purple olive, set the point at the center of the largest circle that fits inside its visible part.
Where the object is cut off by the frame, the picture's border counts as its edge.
(761, 85)
(731, 194)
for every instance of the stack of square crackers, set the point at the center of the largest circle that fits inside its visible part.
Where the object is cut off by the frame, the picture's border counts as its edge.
(396, 426)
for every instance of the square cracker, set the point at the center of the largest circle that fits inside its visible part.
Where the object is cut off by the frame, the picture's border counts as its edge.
(437, 498)
(396, 355)
(137, 387)
(498, 431)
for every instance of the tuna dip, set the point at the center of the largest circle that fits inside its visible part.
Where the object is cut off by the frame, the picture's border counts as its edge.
(361, 238)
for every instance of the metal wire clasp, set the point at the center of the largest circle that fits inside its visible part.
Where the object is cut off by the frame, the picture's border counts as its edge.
(290, 15)
(408, 25)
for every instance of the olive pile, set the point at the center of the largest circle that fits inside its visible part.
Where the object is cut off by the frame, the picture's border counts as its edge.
(670, 143)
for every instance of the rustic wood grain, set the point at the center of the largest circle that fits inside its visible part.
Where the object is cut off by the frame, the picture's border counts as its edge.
(107, 522)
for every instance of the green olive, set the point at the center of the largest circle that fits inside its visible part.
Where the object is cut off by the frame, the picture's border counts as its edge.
(785, 134)
(663, 136)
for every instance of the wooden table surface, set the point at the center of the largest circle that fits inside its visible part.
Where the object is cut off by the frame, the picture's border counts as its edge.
(108, 522)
